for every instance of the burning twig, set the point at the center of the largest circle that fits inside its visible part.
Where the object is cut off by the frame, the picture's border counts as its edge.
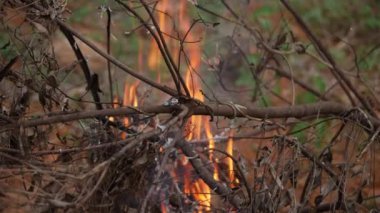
(207, 176)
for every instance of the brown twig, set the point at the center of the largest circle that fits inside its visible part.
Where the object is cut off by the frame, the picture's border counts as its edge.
(299, 82)
(7, 68)
(165, 54)
(109, 16)
(321, 109)
(91, 82)
(116, 62)
(312, 158)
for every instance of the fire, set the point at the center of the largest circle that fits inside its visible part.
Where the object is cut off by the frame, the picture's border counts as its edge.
(230, 162)
(130, 95)
(163, 208)
(199, 125)
(154, 54)
(115, 104)
(130, 91)
(153, 61)
(199, 189)
(129, 99)
(211, 146)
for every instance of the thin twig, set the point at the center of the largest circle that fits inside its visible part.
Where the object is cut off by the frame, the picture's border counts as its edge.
(299, 82)
(108, 10)
(117, 63)
(165, 50)
(336, 71)
(158, 42)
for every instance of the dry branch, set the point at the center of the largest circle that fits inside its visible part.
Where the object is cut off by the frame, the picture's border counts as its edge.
(145, 141)
(321, 109)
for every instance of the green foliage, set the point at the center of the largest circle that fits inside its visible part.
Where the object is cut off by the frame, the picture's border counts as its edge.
(307, 97)
(262, 15)
(319, 83)
(277, 86)
(369, 62)
(254, 58)
(245, 77)
(80, 14)
(321, 130)
(7, 51)
(209, 4)
(314, 15)
(265, 23)
(372, 19)
(333, 14)
(100, 37)
(264, 101)
(8, 48)
(299, 132)
(338, 54)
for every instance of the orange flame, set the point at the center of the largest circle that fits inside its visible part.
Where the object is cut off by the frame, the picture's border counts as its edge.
(130, 99)
(153, 61)
(126, 102)
(230, 162)
(154, 54)
(130, 91)
(163, 208)
(199, 189)
(211, 146)
(115, 104)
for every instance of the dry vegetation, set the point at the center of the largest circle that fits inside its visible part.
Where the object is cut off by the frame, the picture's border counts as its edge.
(185, 106)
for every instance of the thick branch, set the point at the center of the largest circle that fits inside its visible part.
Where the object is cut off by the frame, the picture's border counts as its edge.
(85, 68)
(321, 109)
